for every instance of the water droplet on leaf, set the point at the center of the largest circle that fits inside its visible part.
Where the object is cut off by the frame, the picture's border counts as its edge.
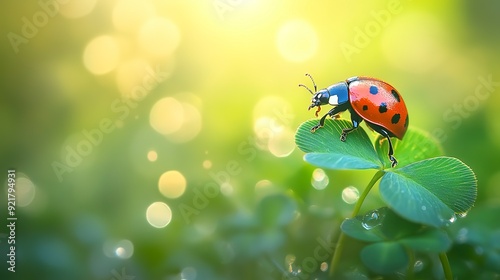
(372, 219)
(418, 266)
(453, 218)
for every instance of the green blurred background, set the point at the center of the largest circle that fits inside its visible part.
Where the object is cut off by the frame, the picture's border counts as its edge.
(155, 139)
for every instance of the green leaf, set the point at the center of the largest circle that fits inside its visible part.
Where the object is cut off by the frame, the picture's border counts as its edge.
(358, 228)
(481, 231)
(431, 240)
(392, 234)
(385, 257)
(378, 225)
(416, 145)
(481, 222)
(430, 191)
(324, 148)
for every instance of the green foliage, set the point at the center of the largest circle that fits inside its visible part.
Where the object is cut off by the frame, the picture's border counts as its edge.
(430, 191)
(417, 145)
(477, 241)
(260, 232)
(324, 148)
(424, 192)
(391, 236)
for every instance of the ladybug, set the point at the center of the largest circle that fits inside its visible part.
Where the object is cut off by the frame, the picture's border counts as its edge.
(366, 98)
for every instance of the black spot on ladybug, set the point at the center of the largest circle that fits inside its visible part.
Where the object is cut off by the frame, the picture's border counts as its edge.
(365, 107)
(373, 90)
(406, 121)
(395, 118)
(383, 107)
(396, 95)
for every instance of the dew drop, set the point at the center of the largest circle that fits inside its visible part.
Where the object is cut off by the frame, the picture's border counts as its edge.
(418, 266)
(423, 208)
(453, 218)
(372, 219)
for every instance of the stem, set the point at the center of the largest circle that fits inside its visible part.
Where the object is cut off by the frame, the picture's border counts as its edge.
(446, 266)
(411, 265)
(375, 178)
(357, 207)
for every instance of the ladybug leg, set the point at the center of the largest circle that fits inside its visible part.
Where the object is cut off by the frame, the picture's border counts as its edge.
(393, 160)
(356, 120)
(333, 112)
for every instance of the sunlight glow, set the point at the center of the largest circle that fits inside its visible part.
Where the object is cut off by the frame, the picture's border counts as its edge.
(282, 144)
(101, 55)
(77, 8)
(414, 43)
(159, 37)
(130, 74)
(297, 41)
(129, 15)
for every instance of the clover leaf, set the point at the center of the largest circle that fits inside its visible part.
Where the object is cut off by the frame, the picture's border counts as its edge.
(425, 187)
(390, 236)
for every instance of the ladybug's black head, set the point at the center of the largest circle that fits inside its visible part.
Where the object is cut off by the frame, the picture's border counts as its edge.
(320, 98)
(328, 95)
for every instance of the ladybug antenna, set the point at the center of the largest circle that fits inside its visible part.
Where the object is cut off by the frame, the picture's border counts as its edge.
(314, 84)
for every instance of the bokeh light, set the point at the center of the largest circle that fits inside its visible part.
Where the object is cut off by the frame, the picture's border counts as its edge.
(282, 143)
(319, 179)
(177, 121)
(76, 8)
(122, 249)
(272, 118)
(226, 189)
(129, 15)
(172, 184)
(152, 156)
(297, 40)
(350, 195)
(167, 115)
(130, 74)
(191, 125)
(101, 55)
(158, 214)
(159, 37)
(25, 190)
(207, 164)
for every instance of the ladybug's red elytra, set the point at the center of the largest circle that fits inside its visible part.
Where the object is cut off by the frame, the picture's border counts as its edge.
(366, 98)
